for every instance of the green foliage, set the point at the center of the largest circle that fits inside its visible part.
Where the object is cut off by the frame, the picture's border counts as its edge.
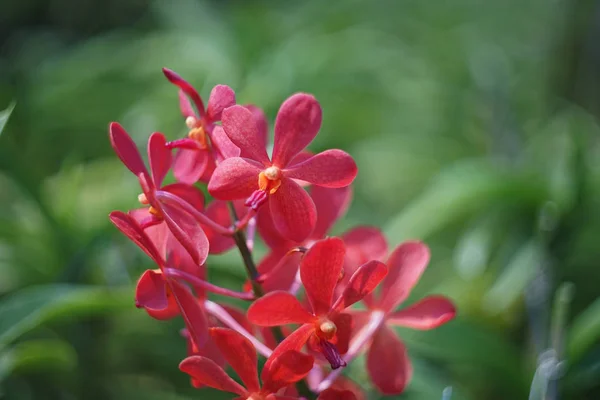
(454, 112)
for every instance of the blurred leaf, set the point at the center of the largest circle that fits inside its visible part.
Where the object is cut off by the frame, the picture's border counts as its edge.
(49, 354)
(28, 308)
(461, 190)
(4, 115)
(513, 280)
(584, 332)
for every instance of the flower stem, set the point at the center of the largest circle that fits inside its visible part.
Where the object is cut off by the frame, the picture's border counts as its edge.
(195, 281)
(242, 244)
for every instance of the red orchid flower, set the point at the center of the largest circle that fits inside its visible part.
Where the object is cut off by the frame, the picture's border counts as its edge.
(326, 326)
(388, 364)
(285, 369)
(335, 394)
(161, 297)
(182, 226)
(259, 179)
(206, 143)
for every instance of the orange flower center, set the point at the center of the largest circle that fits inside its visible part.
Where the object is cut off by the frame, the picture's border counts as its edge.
(269, 180)
(196, 132)
(144, 200)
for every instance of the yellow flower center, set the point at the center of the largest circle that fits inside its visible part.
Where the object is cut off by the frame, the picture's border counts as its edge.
(270, 179)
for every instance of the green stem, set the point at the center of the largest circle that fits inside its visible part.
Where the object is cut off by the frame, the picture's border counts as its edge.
(240, 240)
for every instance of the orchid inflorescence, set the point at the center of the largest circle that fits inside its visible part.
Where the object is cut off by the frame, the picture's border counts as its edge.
(301, 317)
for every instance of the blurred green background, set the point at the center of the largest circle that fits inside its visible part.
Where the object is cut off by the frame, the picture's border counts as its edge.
(473, 124)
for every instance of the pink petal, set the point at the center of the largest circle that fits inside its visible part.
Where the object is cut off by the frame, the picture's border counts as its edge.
(320, 271)
(187, 231)
(192, 313)
(239, 124)
(293, 211)
(429, 313)
(261, 124)
(239, 353)
(405, 266)
(268, 233)
(298, 122)
(189, 193)
(223, 147)
(221, 97)
(289, 367)
(188, 89)
(363, 281)
(185, 106)
(128, 225)
(331, 168)
(387, 362)
(334, 394)
(295, 341)
(330, 204)
(278, 308)
(159, 157)
(205, 371)
(234, 178)
(189, 165)
(344, 324)
(364, 243)
(282, 272)
(218, 211)
(151, 291)
(126, 149)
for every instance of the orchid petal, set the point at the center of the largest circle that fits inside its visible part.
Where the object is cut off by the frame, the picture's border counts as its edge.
(330, 204)
(364, 243)
(151, 291)
(344, 325)
(192, 313)
(221, 97)
(320, 271)
(261, 124)
(334, 394)
(188, 89)
(278, 308)
(189, 165)
(289, 367)
(223, 147)
(298, 122)
(126, 149)
(239, 353)
(159, 157)
(406, 264)
(218, 211)
(268, 233)
(207, 372)
(295, 341)
(428, 313)
(363, 281)
(331, 168)
(191, 194)
(293, 211)
(128, 225)
(283, 270)
(387, 362)
(241, 127)
(234, 178)
(185, 106)
(187, 231)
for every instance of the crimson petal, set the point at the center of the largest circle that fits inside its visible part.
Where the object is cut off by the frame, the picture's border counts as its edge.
(289, 367)
(221, 97)
(126, 149)
(128, 225)
(192, 313)
(278, 308)
(222, 145)
(185, 106)
(234, 178)
(293, 211)
(406, 265)
(241, 127)
(295, 341)
(159, 157)
(320, 270)
(330, 204)
(363, 281)
(189, 165)
(331, 168)
(298, 122)
(187, 231)
(207, 372)
(387, 362)
(428, 313)
(239, 353)
(188, 89)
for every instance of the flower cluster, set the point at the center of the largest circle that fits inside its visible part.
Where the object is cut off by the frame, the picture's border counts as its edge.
(301, 317)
